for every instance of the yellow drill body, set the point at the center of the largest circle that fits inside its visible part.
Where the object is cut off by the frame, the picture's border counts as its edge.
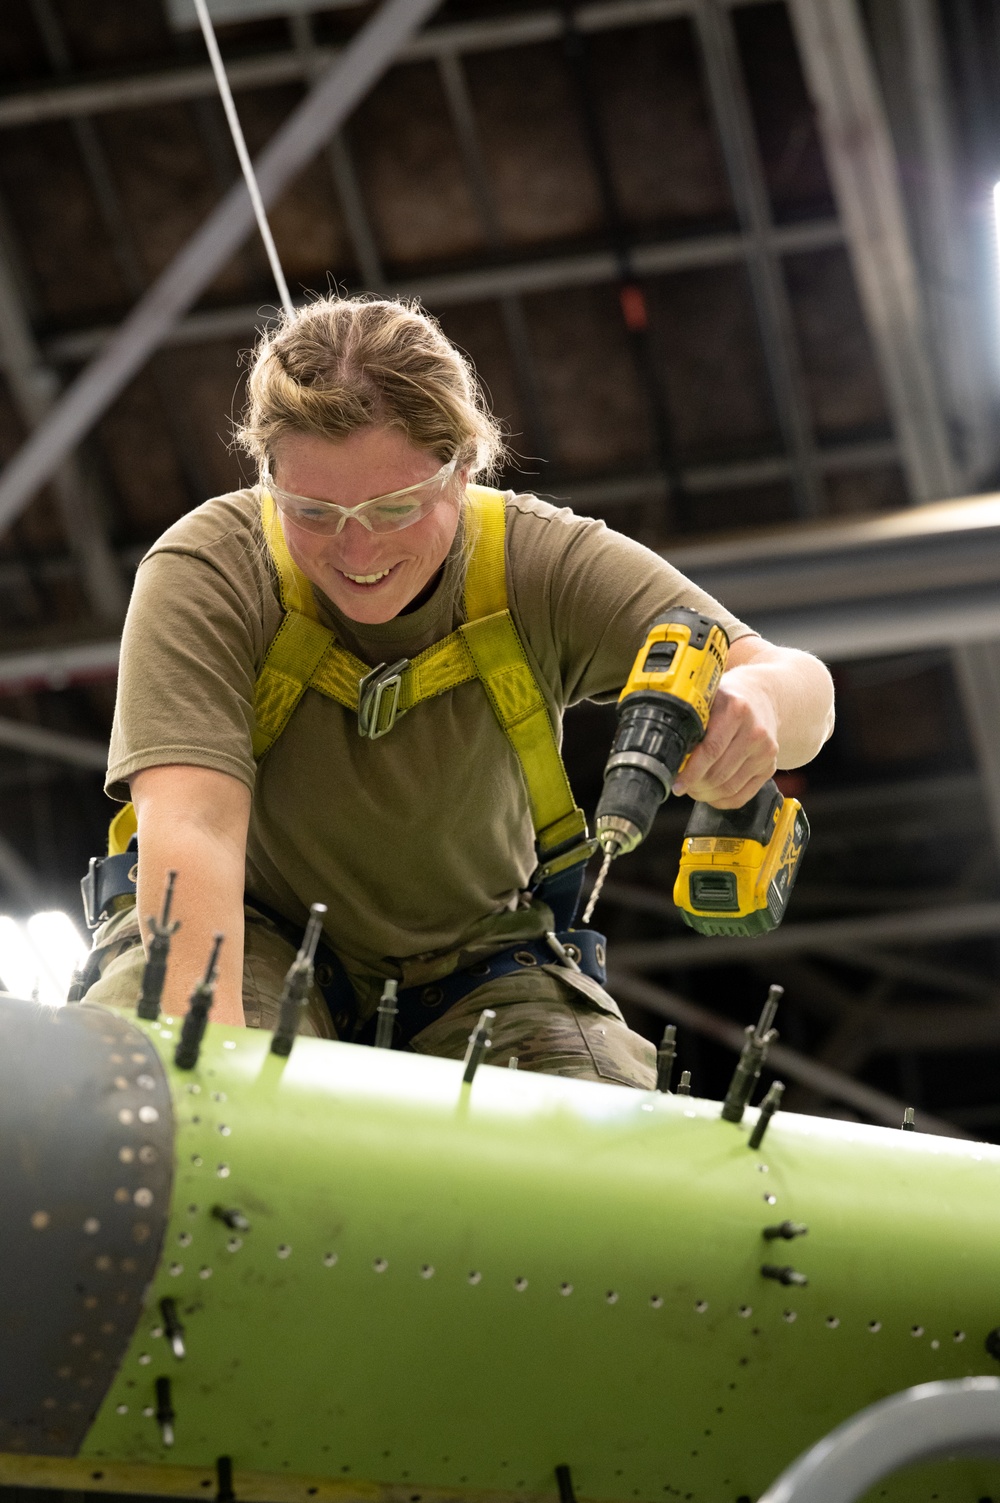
(737, 866)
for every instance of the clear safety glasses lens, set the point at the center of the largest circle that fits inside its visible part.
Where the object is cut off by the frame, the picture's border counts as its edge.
(389, 513)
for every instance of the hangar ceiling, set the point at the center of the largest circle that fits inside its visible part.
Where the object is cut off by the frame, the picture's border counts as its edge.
(726, 270)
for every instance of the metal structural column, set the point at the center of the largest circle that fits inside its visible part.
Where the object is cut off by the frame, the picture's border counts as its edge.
(862, 163)
(309, 126)
(945, 230)
(734, 121)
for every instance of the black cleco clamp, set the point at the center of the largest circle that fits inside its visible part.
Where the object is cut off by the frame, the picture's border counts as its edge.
(665, 1057)
(479, 1042)
(224, 1480)
(231, 1217)
(172, 1328)
(786, 1276)
(564, 1481)
(787, 1230)
(992, 1343)
(196, 1018)
(165, 1411)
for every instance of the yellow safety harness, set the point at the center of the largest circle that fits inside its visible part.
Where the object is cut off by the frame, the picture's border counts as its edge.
(306, 655)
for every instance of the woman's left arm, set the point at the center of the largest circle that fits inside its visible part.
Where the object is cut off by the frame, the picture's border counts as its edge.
(773, 708)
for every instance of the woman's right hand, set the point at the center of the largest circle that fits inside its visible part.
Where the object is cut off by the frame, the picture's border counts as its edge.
(194, 821)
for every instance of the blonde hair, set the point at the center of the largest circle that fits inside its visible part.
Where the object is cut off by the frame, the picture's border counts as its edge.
(339, 365)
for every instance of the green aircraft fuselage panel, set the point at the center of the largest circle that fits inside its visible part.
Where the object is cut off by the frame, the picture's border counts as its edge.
(453, 1287)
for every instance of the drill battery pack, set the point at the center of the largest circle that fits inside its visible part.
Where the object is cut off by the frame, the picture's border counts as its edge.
(738, 866)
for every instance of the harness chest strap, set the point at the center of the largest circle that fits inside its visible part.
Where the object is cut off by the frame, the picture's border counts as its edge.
(304, 654)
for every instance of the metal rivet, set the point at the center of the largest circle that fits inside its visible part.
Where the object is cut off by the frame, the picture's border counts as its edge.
(146, 1082)
(143, 1197)
(746, 1311)
(176, 1268)
(121, 1084)
(427, 1271)
(40, 1220)
(126, 1155)
(92, 1226)
(148, 1114)
(156, 1332)
(224, 1130)
(204, 1273)
(772, 1200)
(565, 1288)
(147, 1154)
(611, 1297)
(138, 1059)
(103, 1262)
(958, 1336)
(874, 1326)
(184, 1239)
(148, 1412)
(833, 1322)
(228, 1044)
(935, 1344)
(126, 1117)
(223, 1171)
(194, 1090)
(197, 1160)
(916, 1330)
(122, 1409)
(520, 1285)
(656, 1300)
(475, 1277)
(790, 1316)
(234, 1244)
(284, 1251)
(145, 1359)
(122, 1196)
(701, 1306)
(218, 1095)
(380, 1265)
(329, 1259)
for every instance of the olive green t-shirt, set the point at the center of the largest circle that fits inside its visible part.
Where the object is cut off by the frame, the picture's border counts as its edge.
(418, 842)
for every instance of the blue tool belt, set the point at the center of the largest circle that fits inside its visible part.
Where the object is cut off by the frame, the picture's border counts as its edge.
(419, 1006)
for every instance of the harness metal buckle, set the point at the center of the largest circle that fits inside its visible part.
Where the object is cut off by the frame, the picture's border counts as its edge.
(379, 694)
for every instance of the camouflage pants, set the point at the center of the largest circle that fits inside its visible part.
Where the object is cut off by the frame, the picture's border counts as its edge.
(551, 1022)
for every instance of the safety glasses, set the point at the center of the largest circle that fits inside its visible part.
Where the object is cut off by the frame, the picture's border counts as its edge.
(389, 513)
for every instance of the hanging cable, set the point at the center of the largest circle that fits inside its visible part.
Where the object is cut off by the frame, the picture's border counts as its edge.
(236, 130)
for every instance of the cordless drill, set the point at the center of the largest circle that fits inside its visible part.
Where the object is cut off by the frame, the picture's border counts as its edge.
(737, 865)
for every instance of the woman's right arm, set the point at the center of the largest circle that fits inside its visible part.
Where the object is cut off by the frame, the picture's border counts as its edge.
(194, 821)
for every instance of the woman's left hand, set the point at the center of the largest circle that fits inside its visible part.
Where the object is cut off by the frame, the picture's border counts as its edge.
(740, 749)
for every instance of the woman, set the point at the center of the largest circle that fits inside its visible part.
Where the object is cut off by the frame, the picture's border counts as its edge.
(253, 624)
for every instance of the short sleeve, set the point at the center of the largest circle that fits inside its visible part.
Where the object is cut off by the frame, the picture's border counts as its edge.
(191, 648)
(585, 596)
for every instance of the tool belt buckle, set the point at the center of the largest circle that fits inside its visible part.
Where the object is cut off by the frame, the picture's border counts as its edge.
(379, 694)
(88, 891)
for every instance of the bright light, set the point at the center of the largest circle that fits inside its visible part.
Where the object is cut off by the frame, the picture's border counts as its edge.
(38, 958)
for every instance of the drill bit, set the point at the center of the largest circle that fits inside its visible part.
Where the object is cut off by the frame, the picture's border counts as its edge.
(610, 852)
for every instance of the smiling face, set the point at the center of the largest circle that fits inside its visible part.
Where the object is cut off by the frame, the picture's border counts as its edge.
(370, 576)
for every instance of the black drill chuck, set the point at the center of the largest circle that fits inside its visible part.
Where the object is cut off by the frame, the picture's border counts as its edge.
(654, 735)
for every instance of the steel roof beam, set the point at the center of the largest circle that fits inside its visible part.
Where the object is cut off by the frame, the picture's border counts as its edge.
(863, 168)
(20, 735)
(165, 86)
(484, 283)
(738, 136)
(294, 144)
(940, 925)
